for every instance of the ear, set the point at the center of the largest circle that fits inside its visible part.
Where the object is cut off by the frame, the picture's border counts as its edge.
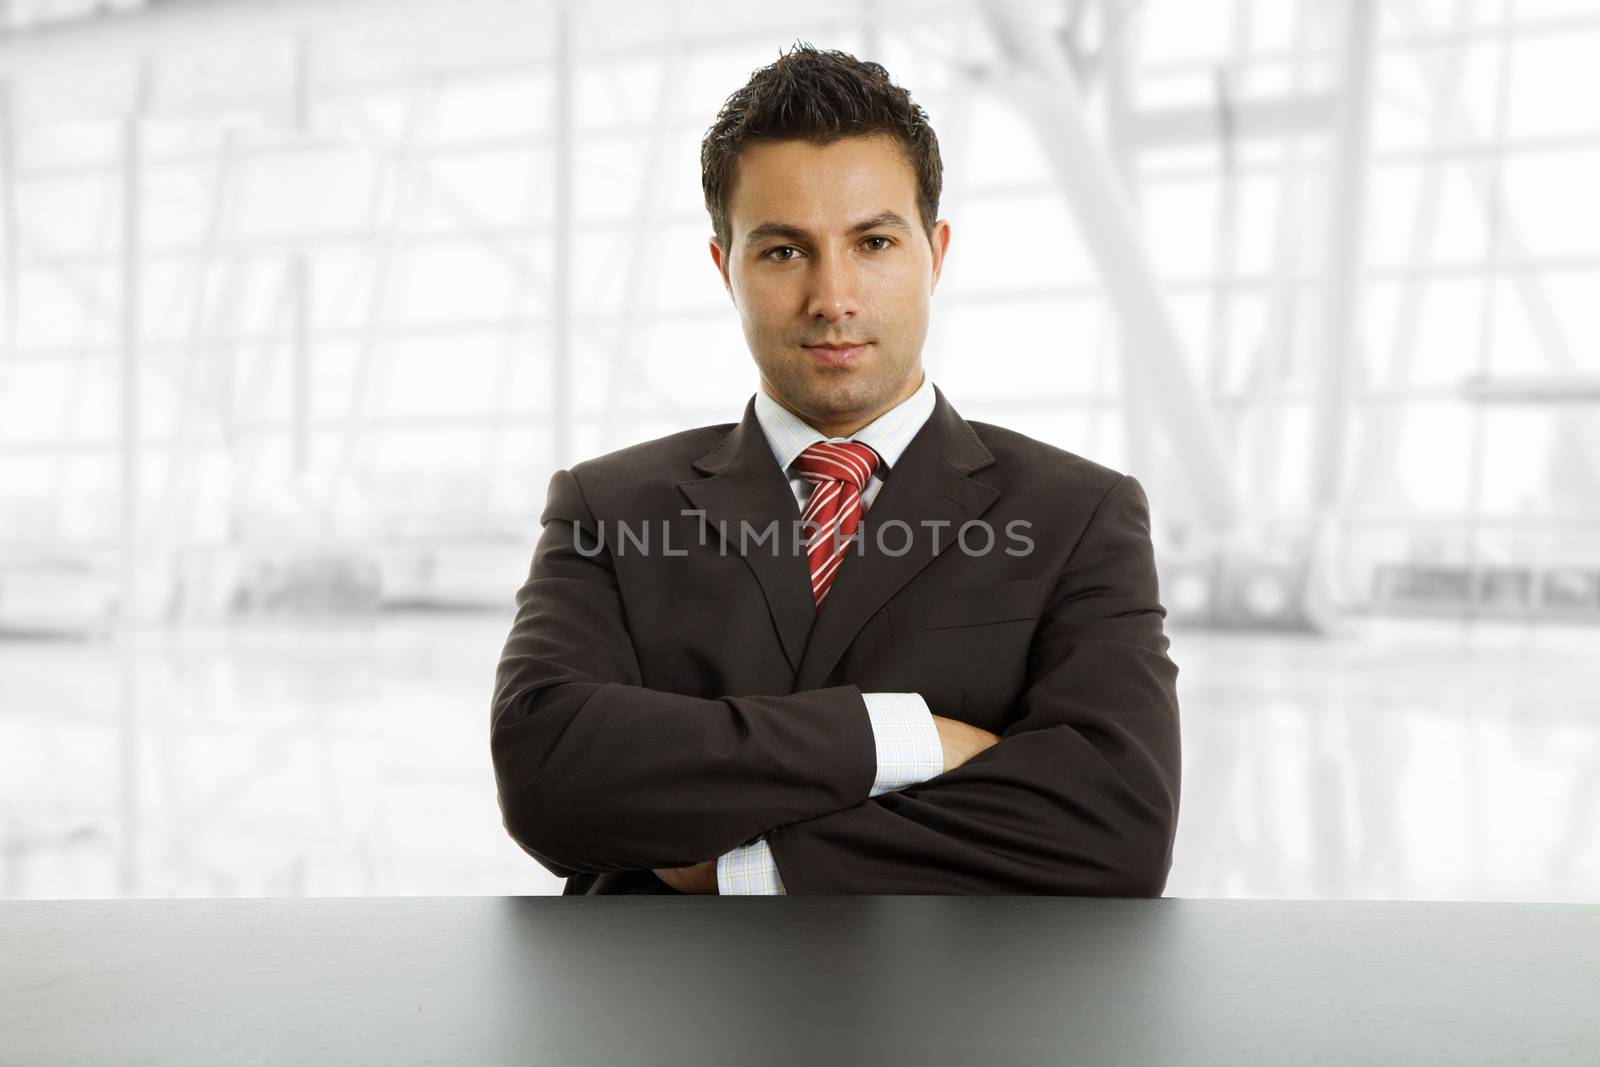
(941, 244)
(720, 258)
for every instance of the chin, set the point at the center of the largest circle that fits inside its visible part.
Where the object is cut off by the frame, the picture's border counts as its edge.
(851, 401)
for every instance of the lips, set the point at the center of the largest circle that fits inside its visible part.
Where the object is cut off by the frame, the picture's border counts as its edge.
(836, 356)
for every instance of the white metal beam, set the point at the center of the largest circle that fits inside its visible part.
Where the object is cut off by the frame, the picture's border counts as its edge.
(1040, 83)
(1178, 126)
(564, 263)
(1338, 332)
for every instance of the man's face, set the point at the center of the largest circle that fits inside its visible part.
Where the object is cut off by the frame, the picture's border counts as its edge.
(831, 271)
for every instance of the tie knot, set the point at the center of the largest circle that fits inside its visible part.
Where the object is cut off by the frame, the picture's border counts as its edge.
(837, 461)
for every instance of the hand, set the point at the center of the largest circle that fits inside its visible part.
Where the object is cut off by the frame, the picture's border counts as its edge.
(701, 878)
(961, 741)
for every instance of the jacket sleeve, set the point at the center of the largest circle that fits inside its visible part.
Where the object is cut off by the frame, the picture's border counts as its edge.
(595, 772)
(909, 751)
(1080, 795)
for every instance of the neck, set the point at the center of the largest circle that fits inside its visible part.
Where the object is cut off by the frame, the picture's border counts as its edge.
(844, 426)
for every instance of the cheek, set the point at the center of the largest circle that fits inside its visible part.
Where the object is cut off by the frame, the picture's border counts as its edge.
(900, 298)
(763, 303)
(904, 280)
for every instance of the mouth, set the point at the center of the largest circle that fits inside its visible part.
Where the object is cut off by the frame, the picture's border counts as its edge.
(836, 355)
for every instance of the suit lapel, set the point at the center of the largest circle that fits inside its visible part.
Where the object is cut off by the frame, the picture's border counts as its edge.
(926, 497)
(747, 486)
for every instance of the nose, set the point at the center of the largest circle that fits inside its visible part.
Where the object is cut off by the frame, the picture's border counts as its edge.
(834, 292)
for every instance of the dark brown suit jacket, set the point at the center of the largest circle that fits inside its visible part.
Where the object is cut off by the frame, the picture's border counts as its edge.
(657, 710)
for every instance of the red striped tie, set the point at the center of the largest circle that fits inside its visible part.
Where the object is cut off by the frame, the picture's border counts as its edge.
(837, 471)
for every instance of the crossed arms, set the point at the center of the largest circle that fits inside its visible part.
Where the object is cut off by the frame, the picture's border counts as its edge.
(1079, 796)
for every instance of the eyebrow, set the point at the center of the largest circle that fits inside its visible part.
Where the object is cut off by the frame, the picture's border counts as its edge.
(781, 230)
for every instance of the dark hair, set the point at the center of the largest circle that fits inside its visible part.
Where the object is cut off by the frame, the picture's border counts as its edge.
(821, 97)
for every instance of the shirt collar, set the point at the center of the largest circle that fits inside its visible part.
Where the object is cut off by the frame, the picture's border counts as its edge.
(888, 435)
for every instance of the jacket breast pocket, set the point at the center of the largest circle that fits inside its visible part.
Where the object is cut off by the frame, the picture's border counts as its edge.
(979, 605)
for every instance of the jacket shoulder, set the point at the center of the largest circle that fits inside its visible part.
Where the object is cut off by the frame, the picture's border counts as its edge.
(662, 460)
(1038, 460)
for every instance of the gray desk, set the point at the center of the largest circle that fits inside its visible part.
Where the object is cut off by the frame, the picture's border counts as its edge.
(796, 980)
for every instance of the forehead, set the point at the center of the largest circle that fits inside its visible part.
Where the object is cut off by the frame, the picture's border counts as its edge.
(821, 187)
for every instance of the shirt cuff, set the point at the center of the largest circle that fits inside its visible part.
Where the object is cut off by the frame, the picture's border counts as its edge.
(749, 870)
(907, 740)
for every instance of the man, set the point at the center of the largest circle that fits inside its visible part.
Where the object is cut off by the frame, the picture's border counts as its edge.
(951, 678)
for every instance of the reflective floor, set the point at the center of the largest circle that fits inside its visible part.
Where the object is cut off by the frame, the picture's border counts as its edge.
(1402, 760)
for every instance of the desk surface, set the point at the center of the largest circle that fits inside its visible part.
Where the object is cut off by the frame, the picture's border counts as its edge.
(802, 980)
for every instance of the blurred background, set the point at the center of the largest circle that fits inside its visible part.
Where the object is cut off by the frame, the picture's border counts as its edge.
(302, 302)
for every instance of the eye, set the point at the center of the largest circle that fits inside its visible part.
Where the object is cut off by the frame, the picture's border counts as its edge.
(887, 242)
(775, 254)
